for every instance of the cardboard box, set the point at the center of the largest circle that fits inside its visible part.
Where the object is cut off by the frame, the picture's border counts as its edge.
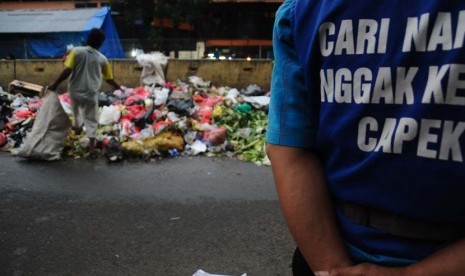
(26, 89)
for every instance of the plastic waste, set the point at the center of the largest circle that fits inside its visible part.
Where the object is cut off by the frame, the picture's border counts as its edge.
(23, 113)
(243, 108)
(160, 126)
(109, 115)
(48, 135)
(216, 136)
(173, 117)
(173, 152)
(161, 96)
(181, 106)
(34, 104)
(196, 148)
(192, 111)
(198, 82)
(153, 67)
(133, 148)
(190, 137)
(201, 272)
(259, 102)
(113, 150)
(165, 141)
(253, 90)
(146, 117)
(3, 140)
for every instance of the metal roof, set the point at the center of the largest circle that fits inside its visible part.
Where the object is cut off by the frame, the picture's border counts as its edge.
(49, 21)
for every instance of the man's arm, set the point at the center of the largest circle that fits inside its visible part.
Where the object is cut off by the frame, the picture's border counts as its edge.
(113, 83)
(63, 76)
(307, 207)
(449, 261)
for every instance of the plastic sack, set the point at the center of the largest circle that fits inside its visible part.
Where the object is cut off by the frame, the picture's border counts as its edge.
(48, 135)
(153, 67)
(109, 115)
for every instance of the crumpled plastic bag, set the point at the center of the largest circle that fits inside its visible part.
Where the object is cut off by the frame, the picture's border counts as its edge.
(3, 140)
(253, 90)
(181, 106)
(259, 102)
(200, 272)
(231, 97)
(109, 115)
(198, 82)
(161, 95)
(196, 148)
(216, 136)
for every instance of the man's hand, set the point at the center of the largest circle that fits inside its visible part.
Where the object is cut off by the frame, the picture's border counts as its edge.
(52, 87)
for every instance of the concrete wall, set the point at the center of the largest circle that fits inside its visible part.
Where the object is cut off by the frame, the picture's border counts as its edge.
(232, 73)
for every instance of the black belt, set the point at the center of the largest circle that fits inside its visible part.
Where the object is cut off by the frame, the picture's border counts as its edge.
(399, 225)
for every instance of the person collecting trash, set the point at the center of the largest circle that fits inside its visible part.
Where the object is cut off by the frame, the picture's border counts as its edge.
(86, 67)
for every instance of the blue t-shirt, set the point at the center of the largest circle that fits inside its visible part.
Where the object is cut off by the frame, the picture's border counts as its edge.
(377, 88)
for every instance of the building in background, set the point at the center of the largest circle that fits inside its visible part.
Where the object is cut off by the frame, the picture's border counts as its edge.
(225, 29)
(188, 29)
(51, 4)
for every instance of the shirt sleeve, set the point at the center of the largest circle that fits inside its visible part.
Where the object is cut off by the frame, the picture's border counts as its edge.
(106, 71)
(70, 60)
(290, 122)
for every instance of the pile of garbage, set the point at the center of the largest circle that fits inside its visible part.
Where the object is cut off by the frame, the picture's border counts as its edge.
(177, 118)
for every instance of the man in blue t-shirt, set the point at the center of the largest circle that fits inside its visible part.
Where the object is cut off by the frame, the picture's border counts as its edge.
(366, 135)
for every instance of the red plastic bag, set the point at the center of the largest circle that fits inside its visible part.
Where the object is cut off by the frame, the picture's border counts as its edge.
(3, 140)
(216, 136)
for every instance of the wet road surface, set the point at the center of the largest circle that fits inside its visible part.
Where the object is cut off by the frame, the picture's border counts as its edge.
(166, 217)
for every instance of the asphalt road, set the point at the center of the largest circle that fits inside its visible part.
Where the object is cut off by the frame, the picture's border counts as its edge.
(167, 217)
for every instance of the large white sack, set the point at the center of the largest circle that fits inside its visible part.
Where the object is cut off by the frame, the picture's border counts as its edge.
(48, 135)
(153, 68)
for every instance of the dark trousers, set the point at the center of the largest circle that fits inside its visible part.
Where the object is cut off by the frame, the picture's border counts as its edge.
(299, 265)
